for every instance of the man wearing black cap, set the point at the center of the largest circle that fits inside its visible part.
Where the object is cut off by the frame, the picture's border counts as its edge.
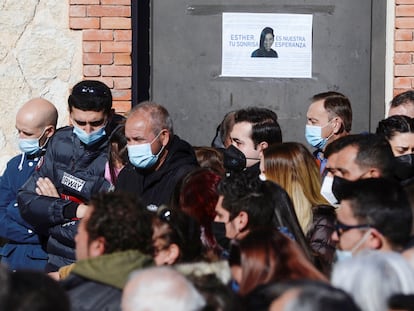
(57, 194)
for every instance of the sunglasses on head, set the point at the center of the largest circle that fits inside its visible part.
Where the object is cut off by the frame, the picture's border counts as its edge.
(90, 90)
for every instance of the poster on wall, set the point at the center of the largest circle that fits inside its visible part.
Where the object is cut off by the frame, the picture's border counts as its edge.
(267, 45)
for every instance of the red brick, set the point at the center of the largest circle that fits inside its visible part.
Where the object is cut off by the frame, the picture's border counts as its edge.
(404, 46)
(98, 35)
(116, 71)
(403, 35)
(123, 35)
(115, 23)
(107, 80)
(117, 47)
(122, 59)
(92, 71)
(122, 83)
(77, 11)
(118, 2)
(402, 82)
(404, 1)
(404, 10)
(84, 22)
(404, 22)
(84, 2)
(403, 70)
(97, 58)
(91, 46)
(121, 94)
(122, 106)
(402, 58)
(398, 91)
(109, 10)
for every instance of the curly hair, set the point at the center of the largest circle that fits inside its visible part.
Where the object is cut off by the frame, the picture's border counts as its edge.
(122, 221)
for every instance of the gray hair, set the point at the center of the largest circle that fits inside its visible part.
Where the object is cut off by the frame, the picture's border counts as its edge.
(372, 277)
(159, 289)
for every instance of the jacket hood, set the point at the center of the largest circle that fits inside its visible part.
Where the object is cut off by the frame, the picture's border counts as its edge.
(112, 269)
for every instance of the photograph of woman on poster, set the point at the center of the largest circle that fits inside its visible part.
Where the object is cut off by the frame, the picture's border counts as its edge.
(267, 39)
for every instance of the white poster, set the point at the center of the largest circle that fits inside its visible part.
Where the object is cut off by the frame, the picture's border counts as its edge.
(267, 45)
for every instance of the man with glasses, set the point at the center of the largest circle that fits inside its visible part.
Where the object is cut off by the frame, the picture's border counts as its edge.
(158, 158)
(57, 194)
(375, 214)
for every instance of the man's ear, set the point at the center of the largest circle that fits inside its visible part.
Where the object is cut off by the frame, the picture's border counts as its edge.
(173, 252)
(50, 130)
(97, 247)
(376, 241)
(338, 125)
(263, 145)
(373, 173)
(165, 137)
(242, 221)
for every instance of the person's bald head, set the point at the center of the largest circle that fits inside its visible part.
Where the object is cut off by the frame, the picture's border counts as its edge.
(37, 118)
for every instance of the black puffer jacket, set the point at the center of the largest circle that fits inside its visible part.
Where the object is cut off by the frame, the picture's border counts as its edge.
(76, 170)
(319, 236)
(156, 187)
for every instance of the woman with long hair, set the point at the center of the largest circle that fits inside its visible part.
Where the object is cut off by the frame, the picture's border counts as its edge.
(266, 255)
(292, 166)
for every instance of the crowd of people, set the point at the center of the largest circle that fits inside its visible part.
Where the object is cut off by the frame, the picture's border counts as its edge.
(120, 213)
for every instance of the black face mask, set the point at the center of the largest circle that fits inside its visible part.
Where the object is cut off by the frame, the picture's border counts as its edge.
(404, 167)
(234, 159)
(219, 232)
(337, 186)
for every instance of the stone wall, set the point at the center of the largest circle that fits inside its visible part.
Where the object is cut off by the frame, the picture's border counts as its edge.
(47, 46)
(39, 56)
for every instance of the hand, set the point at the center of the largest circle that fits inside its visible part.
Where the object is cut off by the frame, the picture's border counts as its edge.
(46, 187)
(81, 211)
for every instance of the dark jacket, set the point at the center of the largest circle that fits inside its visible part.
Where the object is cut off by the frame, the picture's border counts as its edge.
(319, 236)
(77, 171)
(24, 249)
(97, 283)
(157, 187)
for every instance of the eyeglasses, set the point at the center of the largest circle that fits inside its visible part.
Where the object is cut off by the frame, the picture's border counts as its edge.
(340, 227)
(90, 90)
(91, 123)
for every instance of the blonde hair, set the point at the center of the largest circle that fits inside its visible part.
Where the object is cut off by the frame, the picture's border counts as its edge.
(294, 168)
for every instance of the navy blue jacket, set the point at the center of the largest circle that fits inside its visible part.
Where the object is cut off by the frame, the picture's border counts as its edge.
(77, 171)
(24, 249)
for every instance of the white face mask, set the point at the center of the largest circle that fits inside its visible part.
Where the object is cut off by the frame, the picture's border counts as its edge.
(342, 255)
(326, 190)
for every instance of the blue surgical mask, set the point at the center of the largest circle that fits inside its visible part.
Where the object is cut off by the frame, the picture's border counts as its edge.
(342, 255)
(141, 155)
(313, 134)
(90, 138)
(31, 145)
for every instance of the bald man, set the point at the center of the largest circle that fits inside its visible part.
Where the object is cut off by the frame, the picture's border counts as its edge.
(35, 123)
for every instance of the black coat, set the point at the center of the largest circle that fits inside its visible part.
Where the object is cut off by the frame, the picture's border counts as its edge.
(157, 187)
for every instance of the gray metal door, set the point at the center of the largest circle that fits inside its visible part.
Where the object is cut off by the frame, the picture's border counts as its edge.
(348, 56)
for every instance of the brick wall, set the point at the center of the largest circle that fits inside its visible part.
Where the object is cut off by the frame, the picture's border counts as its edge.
(107, 44)
(404, 46)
